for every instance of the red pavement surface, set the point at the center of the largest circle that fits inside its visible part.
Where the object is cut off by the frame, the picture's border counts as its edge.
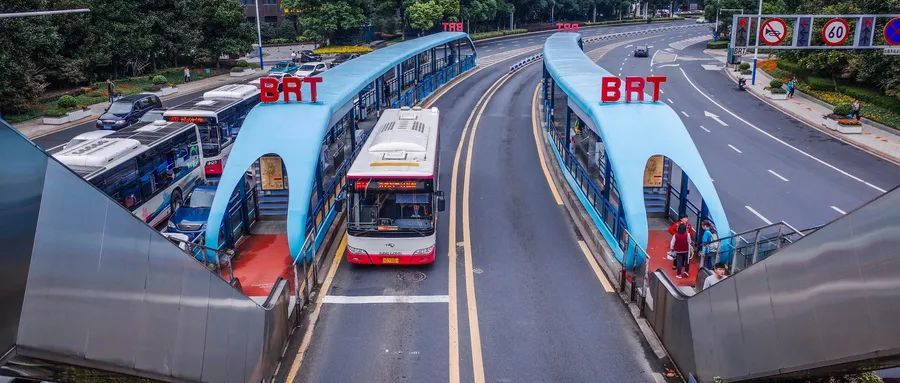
(260, 260)
(657, 247)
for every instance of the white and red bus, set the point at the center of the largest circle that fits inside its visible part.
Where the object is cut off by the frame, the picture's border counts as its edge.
(219, 115)
(392, 191)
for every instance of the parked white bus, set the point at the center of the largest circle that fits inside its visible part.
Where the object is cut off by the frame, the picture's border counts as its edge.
(147, 167)
(393, 195)
(219, 115)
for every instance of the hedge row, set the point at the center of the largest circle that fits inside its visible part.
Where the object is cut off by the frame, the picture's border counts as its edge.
(721, 44)
(487, 35)
(341, 49)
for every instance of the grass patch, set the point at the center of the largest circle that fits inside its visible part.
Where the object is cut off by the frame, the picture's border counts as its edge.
(487, 35)
(721, 44)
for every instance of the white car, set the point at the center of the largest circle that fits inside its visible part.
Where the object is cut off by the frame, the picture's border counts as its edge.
(311, 69)
(89, 136)
(700, 21)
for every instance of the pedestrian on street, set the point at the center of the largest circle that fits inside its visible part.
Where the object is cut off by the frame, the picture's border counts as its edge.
(681, 246)
(718, 276)
(293, 56)
(854, 109)
(709, 242)
(111, 90)
(187, 74)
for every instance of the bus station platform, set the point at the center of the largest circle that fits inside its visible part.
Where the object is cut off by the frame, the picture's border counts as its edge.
(657, 247)
(260, 262)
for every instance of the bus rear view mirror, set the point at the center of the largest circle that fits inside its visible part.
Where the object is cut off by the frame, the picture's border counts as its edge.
(440, 200)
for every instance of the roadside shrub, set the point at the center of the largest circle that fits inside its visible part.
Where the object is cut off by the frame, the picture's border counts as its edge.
(871, 96)
(820, 83)
(55, 112)
(777, 90)
(340, 49)
(721, 44)
(242, 64)
(96, 93)
(487, 35)
(780, 74)
(746, 71)
(843, 109)
(279, 40)
(66, 102)
(792, 67)
(238, 69)
(775, 84)
(152, 88)
(849, 122)
(745, 66)
(159, 80)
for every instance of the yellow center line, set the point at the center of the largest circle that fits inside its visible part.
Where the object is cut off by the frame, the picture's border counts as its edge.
(595, 267)
(535, 129)
(314, 316)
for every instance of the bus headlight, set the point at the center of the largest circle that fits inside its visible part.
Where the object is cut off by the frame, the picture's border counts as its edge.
(356, 250)
(426, 250)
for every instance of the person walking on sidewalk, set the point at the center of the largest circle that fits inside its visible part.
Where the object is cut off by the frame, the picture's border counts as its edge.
(187, 74)
(791, 86)
(854, 109)
(111, 90)
(681, 246)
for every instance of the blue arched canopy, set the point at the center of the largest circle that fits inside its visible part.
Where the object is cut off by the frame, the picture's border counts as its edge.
(631, 133)
(295, 132)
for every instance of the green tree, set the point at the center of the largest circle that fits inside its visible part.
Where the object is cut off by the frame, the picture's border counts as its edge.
(222, 31)
(27, 50)
(424, 15)
(321, 20)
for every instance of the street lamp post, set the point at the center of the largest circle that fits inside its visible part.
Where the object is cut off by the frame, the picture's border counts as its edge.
(756, 49)
(259, 35)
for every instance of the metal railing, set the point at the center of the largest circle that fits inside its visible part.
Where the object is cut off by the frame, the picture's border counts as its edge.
(747, 248)
(214, 260)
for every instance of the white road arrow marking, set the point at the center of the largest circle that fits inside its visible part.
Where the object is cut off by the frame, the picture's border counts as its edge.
(714, 117)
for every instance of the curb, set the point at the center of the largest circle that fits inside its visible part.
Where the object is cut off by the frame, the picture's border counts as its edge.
(875, 152)
(551, 30)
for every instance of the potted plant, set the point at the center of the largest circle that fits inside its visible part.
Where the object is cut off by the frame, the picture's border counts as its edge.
(841, 122)
(776, 90)
(66, 110)
(241, 68)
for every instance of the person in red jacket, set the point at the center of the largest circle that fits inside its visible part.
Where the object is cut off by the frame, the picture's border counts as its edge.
(681, 246)
(682, 221)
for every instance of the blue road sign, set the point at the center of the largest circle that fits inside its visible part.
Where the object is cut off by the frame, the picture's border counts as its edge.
(892, 31)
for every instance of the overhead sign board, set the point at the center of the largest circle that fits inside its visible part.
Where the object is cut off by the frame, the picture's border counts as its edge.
(816, 31)
(891, 51)
(835, 32)
(773, 31)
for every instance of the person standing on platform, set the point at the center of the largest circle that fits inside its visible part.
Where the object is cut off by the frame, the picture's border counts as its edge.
(718, 276)
(681, 246)
(682, 221)
(709, 242)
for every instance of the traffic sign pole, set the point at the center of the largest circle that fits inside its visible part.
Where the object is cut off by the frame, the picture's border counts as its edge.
(756, 50)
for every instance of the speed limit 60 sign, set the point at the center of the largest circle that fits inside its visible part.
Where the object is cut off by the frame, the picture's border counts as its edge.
(835, 32)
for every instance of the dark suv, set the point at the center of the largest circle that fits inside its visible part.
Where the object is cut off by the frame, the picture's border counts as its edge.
(308, 56)
(127, 110)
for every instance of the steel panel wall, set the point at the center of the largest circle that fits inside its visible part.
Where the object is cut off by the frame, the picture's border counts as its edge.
(21, 180)
(105, 291)
(830, 299)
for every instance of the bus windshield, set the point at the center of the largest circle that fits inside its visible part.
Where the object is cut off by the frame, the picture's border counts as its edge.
(376, 213)
(210, 139)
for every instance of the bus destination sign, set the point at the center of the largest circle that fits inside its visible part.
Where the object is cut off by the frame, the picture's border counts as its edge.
(389, 185)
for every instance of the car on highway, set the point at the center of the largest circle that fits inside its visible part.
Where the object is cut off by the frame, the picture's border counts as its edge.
(641, 51)
(283, 67)
(87, 136)
(311, 69)
(127, 110)
(342, 58)
(306, 56)
(153, 115)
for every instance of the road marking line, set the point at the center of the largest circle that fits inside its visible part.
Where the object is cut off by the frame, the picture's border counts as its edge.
(314, 316)
(685, 114)
(535, 128)
(756, 213)
(835, 208)
(707, 130)
(670, 100)
(471, 302)
(778, 139)
(595, 267)
(778, 175)
(661, 92)
(654, 56)
(732, 147)
(343, 299)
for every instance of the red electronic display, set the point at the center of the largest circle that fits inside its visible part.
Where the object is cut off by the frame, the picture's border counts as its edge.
(388, 185)
(189, 119)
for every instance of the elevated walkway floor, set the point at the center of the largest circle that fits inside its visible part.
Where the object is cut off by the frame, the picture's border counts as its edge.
(260, 260)
(657, 247)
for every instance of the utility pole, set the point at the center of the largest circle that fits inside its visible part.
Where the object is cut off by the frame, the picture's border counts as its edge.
(512, 9)
(594, 18)
(756, 49)
(259, 35)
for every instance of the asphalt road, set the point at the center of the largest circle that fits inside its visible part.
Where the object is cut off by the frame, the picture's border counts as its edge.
(542, 313)
(763, 159)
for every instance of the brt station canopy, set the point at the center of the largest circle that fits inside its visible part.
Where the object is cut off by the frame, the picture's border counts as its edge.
(398, 75)
(631, 133)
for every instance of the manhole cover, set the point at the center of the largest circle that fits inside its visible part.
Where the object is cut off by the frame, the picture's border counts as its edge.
(411, 276)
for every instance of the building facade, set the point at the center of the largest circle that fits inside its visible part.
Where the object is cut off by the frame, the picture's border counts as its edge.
(270, 11)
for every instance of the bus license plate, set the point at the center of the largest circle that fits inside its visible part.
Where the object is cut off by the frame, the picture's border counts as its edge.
(390, 260)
